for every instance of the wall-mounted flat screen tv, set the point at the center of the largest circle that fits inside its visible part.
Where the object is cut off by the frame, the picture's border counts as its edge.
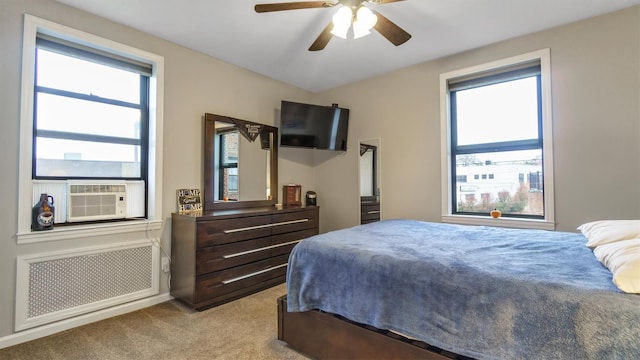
(313, 126)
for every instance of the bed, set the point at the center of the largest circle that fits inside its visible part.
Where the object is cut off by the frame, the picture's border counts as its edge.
(461, 291)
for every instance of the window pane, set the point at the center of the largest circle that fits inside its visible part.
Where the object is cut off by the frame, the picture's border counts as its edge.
(72, 74)
(70, 158)
(230, 148)
(498, 181)
(61, 113)
(230, 184)
(500, 112)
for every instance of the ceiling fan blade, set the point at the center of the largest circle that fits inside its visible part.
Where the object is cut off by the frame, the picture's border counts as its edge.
(391, 31)
(260, 8)
(323, 39)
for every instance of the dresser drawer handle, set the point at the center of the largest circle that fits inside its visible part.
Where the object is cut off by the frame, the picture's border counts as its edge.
(264, 226)
(260, 249)
(373, 212)
(253, 274)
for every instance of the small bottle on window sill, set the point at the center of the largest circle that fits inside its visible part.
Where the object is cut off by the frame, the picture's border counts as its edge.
(43, 214)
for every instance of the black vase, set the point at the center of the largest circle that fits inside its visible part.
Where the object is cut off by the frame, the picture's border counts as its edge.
(43, 213)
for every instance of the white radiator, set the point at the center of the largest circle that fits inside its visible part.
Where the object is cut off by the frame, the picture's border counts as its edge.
(59, 285)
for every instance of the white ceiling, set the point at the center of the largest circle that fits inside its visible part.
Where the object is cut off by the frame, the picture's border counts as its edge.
(275, 44)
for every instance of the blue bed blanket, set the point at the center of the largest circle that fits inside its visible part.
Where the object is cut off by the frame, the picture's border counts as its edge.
(482, 292)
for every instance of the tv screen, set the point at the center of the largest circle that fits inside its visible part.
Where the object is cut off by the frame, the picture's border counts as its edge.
(313, 126)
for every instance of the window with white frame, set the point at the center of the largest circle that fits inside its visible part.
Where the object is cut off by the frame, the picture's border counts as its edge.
(497, 123)
(91, 112)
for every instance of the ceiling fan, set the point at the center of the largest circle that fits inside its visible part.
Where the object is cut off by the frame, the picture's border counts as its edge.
(350, 12)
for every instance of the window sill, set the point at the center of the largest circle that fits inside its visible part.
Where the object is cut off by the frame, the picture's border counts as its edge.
(502, 222)
(83, 231)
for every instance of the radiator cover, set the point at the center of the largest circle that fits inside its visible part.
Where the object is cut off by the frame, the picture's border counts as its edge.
(58, 285)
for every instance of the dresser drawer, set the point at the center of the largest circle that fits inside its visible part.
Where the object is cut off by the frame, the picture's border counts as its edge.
(222, 282)
(295, 221)
(283, 243)
(369, 207)
(218, 257)
(217, 232)
(369, 212)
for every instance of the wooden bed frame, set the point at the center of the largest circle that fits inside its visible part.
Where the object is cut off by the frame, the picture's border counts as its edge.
(326, 336)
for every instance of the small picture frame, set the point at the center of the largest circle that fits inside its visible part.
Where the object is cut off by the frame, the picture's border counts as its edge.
(189, 201)
(292, 195)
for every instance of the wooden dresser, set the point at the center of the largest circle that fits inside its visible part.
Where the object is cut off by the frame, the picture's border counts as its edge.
(369, 211)
(223, 255)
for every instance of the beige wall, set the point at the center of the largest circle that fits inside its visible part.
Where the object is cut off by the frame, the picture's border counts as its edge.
(596, 97)
(596, 123)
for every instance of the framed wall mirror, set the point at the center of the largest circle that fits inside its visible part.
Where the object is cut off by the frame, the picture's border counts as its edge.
(240, 163)
(369, 169)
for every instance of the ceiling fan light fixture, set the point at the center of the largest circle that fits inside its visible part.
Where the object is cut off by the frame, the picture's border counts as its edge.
(359, 30)
(366, 17)
(340, 32)
(364, 22)
(342, 21)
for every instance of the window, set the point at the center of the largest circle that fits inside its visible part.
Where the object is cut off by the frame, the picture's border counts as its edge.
(495, 119)
(228, 173)
(535, 181)
(91, 112)
(90, 115)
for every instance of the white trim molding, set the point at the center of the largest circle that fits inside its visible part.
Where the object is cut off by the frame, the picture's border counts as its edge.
(90, 230)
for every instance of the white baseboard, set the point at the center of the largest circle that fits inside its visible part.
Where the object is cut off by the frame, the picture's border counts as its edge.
(46, 330)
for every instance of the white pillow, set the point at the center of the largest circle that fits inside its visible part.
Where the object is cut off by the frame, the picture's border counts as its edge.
(622, 258)
(607, 231)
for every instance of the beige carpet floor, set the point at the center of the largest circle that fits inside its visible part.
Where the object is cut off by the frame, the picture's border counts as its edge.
(242, 329)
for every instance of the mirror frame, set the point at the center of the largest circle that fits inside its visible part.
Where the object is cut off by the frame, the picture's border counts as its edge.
(209, 157)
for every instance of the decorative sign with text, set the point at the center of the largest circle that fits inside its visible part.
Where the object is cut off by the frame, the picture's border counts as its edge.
(250, 131)
(189, 201)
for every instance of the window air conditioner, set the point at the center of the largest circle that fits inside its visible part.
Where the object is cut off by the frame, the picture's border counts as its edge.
(88, 202)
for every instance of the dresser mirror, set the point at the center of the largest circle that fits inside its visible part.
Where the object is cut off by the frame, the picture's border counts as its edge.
(240, 163)
(369, 169)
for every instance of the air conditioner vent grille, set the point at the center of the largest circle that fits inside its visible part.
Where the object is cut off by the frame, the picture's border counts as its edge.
(93, 205)
(96, 202)
(97, 188)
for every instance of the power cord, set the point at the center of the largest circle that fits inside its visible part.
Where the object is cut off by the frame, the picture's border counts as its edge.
(155, 241)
